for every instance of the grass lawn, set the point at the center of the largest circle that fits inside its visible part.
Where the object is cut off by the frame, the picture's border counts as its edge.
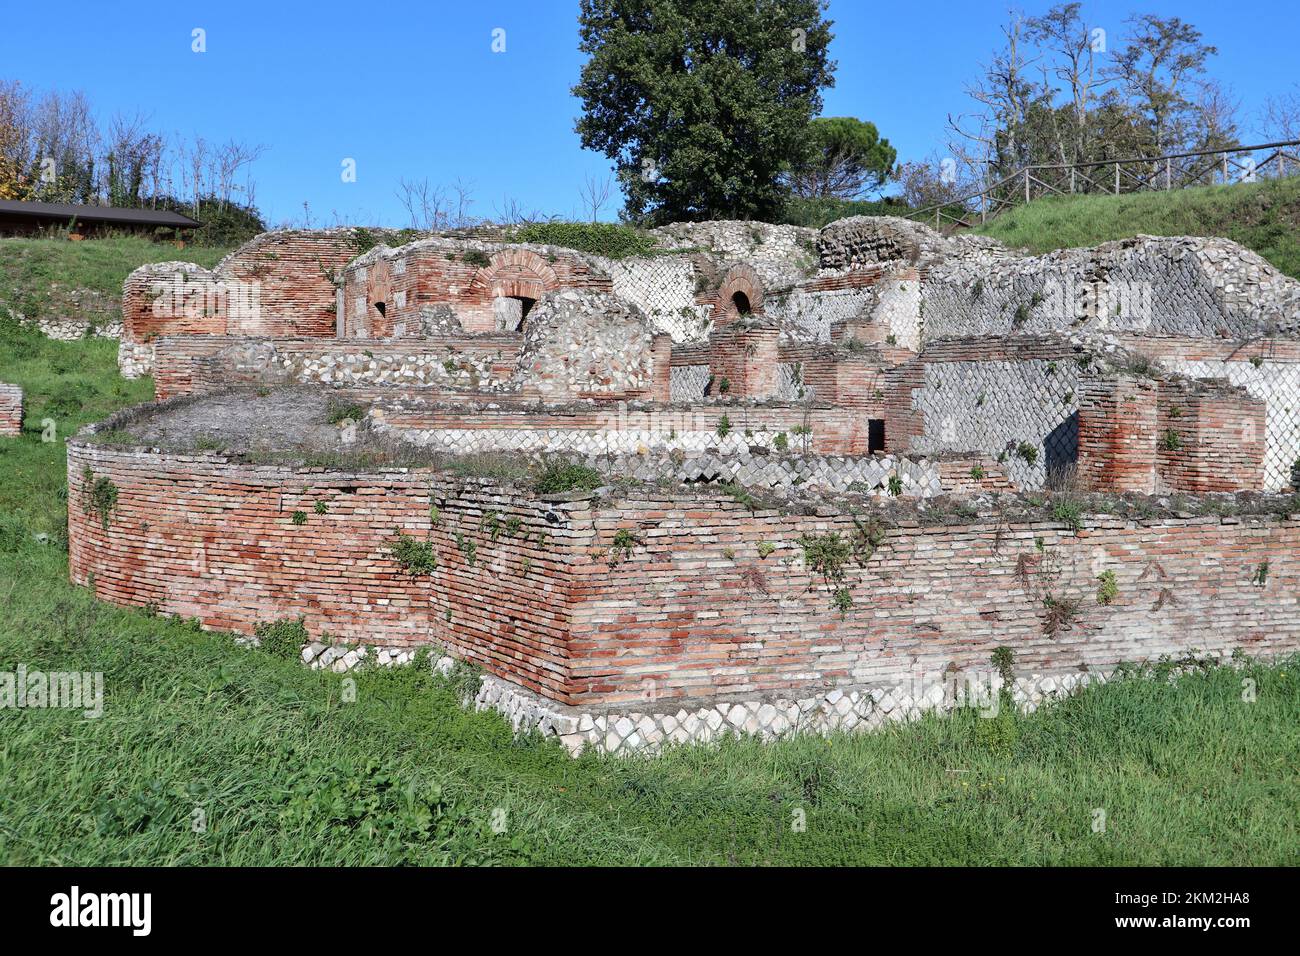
(40, 277)
(1263, 216)
(285, 772)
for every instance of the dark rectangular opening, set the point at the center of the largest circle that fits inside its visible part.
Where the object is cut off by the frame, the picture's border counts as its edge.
(875, 434)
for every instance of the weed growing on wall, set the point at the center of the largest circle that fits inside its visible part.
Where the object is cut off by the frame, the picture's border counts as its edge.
(468, 548)
(284, 638)
(1069, 513)
(338, 411)
(415, 557)
(1027, 452)
(561, 476)
(1107, 587)
(1058, 614)
(99, 496)
(1171, 440)
(622, 545)
(477, 257)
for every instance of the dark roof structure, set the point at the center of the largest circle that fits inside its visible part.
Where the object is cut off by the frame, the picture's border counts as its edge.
(11, 209)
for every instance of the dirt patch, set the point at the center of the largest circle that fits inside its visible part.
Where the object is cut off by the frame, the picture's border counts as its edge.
(282, 419)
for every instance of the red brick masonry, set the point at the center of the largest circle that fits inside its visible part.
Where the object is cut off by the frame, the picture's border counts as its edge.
(11, 410)
(695, 605)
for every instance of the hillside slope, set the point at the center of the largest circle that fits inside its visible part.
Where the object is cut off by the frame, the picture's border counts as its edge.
(1263, 216)
(44, 279)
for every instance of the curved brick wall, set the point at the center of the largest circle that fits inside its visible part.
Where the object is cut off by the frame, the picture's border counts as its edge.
(205, 537)
(667, 594)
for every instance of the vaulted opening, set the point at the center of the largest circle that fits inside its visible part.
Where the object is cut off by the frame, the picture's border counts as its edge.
(741, 303)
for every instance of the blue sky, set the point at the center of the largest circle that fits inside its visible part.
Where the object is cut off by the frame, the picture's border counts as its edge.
(414, 89)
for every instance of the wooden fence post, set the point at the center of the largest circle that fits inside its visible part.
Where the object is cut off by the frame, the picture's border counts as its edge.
(1117, 179)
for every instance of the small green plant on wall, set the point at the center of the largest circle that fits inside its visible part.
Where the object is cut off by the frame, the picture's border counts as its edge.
(1107, 587)
(99, 496)
(413, 556)
(622, 545)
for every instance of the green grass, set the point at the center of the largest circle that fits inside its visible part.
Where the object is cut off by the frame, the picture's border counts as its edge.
(286, 771)
(1263, 216)
(36, 275)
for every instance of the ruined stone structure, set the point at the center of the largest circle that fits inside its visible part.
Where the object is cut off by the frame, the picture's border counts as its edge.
(11, 410)
(820, 477)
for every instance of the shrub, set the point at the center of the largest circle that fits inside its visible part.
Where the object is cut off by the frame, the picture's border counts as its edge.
(611, 240)
(477, 257)
(559, 477)
(284, 638)
(1027, 452)
(977, 472)
(781, 443)
(724, 426)
(343, 411)
(842, 601)
(1171, 440)
(413, 556)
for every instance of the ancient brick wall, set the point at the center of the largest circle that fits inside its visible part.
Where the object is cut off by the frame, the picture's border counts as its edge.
(664, 595)
(11, 410)
(1211, 438)
(1118, 434)
(1268, 368)
(204, 538)
(695, 609)
(417, 289)
(279, 284)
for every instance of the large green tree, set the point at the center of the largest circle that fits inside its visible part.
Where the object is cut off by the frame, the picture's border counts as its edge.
(702, 104)
(846, 157)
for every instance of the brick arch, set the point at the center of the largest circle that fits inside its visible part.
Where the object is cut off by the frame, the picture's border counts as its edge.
(515, 272)
(739, 280)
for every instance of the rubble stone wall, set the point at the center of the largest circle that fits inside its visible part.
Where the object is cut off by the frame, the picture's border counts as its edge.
(199, 363)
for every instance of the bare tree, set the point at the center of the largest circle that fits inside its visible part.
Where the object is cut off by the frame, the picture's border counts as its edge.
(1281, 117)
(425, 204)
(15, 139)
(594, 194)
(987, 136)
(228, 161)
